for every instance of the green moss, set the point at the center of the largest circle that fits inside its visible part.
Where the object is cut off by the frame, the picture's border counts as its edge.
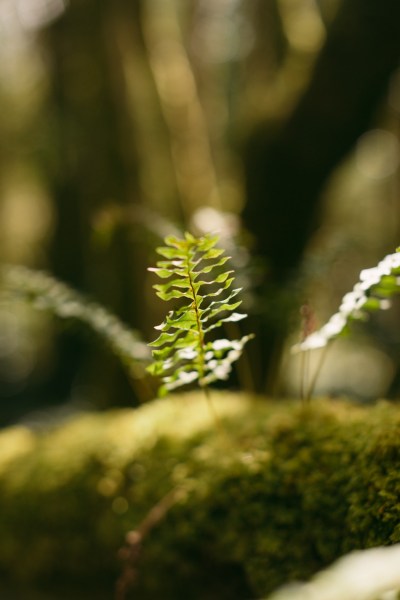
(290, 492)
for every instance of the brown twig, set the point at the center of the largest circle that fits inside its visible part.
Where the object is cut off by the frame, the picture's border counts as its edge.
(308, 325)
(130, 553)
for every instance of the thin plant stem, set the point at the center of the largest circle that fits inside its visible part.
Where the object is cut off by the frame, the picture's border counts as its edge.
(211, 406)
(317, 372)
(217, 420)
(130, 553)
(304, 372)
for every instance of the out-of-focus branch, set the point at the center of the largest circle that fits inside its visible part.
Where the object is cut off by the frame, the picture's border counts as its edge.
(181, 107)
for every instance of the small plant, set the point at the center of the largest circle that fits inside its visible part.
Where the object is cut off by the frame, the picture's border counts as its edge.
(182, 354)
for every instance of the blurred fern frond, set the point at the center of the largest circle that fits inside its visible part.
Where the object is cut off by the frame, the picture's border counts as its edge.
(45, 292)
(371, 293)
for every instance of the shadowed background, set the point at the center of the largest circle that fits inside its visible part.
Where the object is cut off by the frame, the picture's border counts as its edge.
(273, 123)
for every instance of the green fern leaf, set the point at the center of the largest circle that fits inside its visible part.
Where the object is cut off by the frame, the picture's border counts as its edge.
(181, 353)
(372, 292)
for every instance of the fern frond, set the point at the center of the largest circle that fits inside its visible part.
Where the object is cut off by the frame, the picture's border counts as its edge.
(181, 353)
(372, 293)
(46, 293)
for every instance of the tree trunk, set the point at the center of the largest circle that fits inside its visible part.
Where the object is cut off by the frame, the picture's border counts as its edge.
(287, 169)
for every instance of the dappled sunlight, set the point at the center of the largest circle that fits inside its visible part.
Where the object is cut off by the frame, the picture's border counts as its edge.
(37, 13)
(303, 24)
(222, 31)
(208, 219)
(180, 103)
(15, 442)
(26, 216)
(378, 154)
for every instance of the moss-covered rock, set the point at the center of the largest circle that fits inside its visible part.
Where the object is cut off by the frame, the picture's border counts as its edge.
(287, 492)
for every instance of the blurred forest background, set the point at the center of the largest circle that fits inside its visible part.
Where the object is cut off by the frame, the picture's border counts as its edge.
(273, 122)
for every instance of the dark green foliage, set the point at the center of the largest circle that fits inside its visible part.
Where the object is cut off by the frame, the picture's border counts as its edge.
(299, 489)
(181, 353)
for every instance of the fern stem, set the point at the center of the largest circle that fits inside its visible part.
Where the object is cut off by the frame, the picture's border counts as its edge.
(218, 423)
(304, 376)
(317, 372)
(201, 361)
(198, 322)
(201, 353)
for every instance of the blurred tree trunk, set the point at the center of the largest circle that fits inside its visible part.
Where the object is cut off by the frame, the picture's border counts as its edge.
(287, 169)
(92, 174)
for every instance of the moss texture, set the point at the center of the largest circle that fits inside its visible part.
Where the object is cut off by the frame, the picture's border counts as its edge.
(287, 493)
